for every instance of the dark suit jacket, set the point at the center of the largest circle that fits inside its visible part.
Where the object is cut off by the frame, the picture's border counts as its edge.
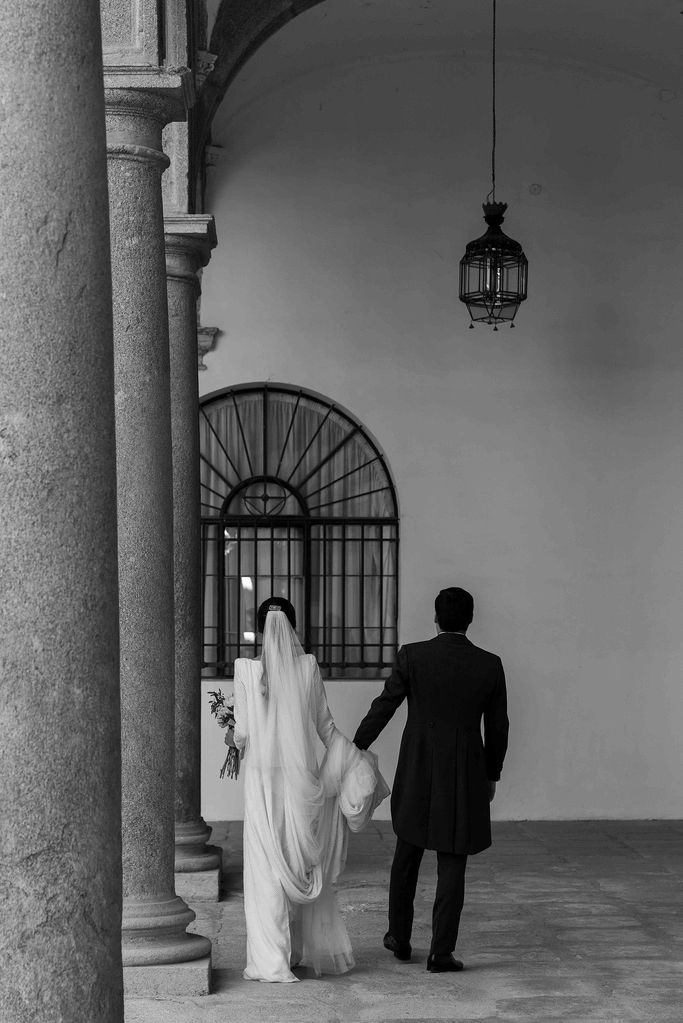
(440, 794)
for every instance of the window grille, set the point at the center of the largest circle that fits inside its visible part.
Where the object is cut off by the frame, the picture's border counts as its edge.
(297, 502)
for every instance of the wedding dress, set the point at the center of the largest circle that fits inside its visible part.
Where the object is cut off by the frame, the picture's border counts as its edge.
(297, 812)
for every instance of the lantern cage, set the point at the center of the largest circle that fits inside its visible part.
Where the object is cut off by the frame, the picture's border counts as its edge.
(493, 272)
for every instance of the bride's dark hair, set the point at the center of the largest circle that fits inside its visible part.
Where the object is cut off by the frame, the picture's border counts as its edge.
(271, 602)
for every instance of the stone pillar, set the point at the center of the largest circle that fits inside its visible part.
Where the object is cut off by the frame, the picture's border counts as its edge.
(189, 240)
(154, 917)
(60, 830)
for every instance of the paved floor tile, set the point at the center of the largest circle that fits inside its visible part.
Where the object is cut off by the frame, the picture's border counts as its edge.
(576, 921)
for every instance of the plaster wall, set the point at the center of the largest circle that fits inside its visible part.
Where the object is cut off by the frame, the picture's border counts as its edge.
(539, 467)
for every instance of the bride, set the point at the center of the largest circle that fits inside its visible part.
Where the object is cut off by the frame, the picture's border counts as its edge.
(297, 813)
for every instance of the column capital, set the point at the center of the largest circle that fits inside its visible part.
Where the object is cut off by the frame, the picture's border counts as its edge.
(138, 103)
(138, 106)
(173, 86)
(197, 227)
(189, 240)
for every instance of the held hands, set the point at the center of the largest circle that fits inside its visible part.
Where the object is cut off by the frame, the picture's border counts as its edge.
(492, 788)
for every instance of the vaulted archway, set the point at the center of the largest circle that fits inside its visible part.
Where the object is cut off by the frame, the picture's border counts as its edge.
(240, 29)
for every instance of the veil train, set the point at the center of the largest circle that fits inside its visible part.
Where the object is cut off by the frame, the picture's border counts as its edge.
(309, 808)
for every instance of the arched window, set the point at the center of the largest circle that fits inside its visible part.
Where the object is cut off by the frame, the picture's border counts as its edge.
(297, 502)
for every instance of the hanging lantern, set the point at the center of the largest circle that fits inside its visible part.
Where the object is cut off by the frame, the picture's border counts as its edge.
(493, 271)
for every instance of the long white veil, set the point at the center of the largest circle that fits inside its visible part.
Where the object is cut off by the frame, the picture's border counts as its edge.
(302, 808)
(285, 749)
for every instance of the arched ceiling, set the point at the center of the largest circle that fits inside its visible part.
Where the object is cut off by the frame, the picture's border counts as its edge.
(240, 29)
(633, 38)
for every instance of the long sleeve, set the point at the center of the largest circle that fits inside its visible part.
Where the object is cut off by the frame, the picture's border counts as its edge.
(496, 727)
(240, 708)
(384, 706)
(324, 723)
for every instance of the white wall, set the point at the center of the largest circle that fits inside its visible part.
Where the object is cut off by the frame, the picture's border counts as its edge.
(540, 467)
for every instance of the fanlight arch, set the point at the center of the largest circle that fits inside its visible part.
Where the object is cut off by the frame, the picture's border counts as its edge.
(297, 500)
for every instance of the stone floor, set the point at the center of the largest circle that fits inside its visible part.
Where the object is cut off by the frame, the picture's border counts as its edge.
(575, 921)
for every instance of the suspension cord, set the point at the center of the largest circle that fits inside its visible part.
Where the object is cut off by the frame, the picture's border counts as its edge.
(492, 194)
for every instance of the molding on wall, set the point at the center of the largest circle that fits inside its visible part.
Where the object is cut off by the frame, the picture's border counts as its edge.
(206, 342)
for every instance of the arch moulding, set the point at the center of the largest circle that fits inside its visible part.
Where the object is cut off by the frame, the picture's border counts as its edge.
(241, 27)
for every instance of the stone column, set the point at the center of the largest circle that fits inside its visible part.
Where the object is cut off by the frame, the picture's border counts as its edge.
(154, 917)
(60, 831)
(189, 240)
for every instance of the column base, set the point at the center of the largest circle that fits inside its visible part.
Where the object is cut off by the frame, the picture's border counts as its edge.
(199, 885)
(197, 865)
(153, 932)
(165, 981)
(192, 854)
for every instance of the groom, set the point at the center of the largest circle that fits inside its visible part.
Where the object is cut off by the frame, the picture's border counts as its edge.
(445, 776)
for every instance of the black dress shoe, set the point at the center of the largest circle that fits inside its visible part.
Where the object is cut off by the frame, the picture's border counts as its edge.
(444, 964)
(401, 949)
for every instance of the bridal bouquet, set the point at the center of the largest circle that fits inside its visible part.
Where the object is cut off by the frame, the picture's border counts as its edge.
(223, 709)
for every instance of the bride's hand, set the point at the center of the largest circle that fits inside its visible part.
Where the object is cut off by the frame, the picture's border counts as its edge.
(230, 738)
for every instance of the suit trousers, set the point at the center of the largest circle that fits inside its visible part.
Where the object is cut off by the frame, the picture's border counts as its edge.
(448, 903)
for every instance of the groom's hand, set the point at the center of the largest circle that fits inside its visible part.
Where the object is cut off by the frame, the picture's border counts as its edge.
(492, 790)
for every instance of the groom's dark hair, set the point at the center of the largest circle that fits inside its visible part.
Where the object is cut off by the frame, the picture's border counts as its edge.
(275, 602)
(454, 609)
